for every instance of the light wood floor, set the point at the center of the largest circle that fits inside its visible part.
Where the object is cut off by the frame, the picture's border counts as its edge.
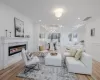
(11, 72)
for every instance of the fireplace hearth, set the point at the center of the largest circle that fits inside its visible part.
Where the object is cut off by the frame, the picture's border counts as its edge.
(16, 49)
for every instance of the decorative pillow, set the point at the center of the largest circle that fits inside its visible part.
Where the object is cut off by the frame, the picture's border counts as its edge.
(78, 54)
(29, 55)
(73, 52)
(41, 48)
(67, 48)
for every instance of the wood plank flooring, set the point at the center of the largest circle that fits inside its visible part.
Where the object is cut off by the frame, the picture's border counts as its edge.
(11, 72)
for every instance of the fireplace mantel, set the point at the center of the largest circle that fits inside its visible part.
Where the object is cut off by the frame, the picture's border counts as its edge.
(13, 39)
(5, 43)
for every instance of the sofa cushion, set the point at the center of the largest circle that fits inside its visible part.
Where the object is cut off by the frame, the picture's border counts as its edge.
(75, 66)
(78, 54)
(67, 54)
(73, 61)
(73, 51)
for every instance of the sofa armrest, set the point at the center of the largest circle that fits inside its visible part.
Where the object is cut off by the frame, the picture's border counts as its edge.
(87, 60)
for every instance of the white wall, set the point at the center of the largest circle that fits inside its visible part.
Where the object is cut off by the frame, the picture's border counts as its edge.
(64, 39)
(93, 43)
(64, 36)
(36, 37)
(80, 33)
(7, 15)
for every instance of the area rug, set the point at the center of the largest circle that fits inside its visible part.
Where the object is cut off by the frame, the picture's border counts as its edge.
(48, 73)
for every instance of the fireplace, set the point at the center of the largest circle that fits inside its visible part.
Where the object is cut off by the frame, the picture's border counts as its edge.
(16, 49)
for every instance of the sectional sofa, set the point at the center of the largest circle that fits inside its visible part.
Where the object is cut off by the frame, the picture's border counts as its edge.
(82, 66)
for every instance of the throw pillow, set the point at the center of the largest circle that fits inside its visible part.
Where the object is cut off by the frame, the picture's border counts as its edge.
(78, 54)
(41, 48)
(73, 52)
(29, 55)
(67, 48)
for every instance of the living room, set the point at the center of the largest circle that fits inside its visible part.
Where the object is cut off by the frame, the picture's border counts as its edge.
(61, 39)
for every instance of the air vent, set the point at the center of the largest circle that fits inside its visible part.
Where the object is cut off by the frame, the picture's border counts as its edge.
(87, 18)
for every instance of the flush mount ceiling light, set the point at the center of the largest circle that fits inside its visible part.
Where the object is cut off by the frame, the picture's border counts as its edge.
(58, 12)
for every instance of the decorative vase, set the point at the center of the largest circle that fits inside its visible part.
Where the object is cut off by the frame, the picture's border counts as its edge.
(10, 34)
(6, 32)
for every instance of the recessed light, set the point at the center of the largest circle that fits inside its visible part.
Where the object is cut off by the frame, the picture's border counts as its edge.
(61, 26)
(79, 18)
(39, 20)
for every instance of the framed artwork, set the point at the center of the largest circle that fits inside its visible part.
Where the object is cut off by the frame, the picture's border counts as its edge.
(19, 27)
(70, 37)
(93, 32)
(54, 36)
(41, 35)
(75, 35)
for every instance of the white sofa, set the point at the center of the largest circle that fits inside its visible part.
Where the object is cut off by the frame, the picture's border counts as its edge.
(82, 66)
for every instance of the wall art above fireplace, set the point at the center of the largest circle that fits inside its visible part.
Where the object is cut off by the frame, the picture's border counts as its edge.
(19, 27)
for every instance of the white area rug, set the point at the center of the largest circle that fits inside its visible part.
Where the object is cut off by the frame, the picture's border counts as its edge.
(48, 73)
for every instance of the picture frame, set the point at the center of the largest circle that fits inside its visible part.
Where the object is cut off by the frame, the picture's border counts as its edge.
(75, 35)
(70, 37)
(19, 27)
(41, 35)
(54, 36)
(93, 32)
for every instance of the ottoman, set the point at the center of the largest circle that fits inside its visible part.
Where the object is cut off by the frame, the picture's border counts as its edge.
(55, 60)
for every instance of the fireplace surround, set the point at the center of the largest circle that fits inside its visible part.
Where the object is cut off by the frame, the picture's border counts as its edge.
(10, 50)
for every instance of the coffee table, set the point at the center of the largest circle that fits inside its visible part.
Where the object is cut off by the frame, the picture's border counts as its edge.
(54, 60)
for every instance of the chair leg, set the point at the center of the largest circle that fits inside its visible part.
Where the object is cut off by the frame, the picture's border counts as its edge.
(38, 66)
(28, 68)
(25, 71)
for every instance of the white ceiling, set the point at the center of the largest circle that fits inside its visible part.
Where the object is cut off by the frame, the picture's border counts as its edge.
(43, 9)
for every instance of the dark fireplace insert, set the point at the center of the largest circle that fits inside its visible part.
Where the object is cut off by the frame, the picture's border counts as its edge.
(16, 49)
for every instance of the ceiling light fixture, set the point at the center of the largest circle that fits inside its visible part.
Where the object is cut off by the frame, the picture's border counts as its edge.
(58, 12)
(79, 18)
(39, 20)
